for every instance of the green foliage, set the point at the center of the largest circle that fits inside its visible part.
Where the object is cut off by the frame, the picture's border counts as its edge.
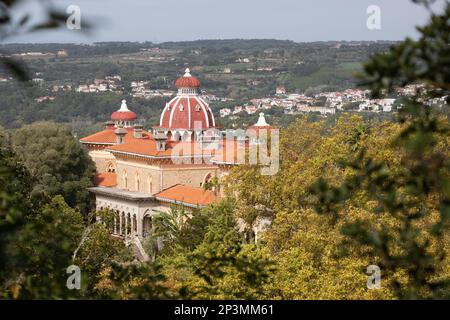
(57, 161)
(132, 281)
(383, 198)
(14, 197)
(42, 250)
(98, 252)
(170, 225)
(413, 199)
(291, 66)
(217, 264)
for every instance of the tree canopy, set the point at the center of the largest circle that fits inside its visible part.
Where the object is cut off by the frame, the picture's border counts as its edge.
(57, 161)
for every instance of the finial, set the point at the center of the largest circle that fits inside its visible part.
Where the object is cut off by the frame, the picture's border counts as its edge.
(261, 121)
(123, 106)
(187, 72)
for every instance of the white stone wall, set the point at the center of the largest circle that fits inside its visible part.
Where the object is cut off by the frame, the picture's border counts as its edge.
(133, 209)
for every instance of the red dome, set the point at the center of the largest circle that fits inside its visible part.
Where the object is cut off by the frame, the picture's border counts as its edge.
(187, 112)
(187, 81)
(123, 114)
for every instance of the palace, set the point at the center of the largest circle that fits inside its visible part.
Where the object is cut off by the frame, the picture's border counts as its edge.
(142, 173)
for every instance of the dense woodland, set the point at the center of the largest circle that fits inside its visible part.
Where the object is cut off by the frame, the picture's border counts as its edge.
(350, 193)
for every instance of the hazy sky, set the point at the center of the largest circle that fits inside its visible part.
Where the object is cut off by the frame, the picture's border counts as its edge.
(298, 20)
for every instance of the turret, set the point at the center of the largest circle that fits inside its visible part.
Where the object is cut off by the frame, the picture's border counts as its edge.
(120, 134)
(161, 140)
(137, 131)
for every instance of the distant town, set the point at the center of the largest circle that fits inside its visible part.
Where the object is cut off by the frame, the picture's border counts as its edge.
(240, 79)
(324, 103)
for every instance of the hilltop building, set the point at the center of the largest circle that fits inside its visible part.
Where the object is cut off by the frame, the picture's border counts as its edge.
(142, 173)
(280, 90)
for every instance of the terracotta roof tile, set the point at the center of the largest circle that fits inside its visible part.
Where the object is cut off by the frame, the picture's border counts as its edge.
(147, 147)
(187, 195)
(105, 179)
(107, 136)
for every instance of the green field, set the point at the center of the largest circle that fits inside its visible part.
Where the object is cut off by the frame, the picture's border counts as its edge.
(339, 76)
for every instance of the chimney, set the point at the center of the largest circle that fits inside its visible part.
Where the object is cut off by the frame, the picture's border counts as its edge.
(137, 131)
(161, 140)
(120, 134)
(109, 125)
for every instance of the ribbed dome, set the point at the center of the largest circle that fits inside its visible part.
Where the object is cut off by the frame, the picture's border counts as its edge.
(187, 81)
(187, 112)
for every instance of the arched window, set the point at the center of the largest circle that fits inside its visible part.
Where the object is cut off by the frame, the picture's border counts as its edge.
(134, 224)
(197, 108)
(125, 179)
(123, 230)
(116, 221)
(147, 225)
(208, 178)
(150, 184)
(181, 107)
(128, 223)
(137, 181)
(111, 167)
(177, 136)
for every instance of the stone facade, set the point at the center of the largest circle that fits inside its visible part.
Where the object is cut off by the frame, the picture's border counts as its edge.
(104, 160)
(133, 211)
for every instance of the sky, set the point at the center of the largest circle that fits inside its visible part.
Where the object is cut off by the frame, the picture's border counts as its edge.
(185, 20)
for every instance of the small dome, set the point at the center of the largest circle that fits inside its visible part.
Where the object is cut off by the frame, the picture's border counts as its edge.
(187, 81)
(261, 121)
(123, 114)
(261, 125)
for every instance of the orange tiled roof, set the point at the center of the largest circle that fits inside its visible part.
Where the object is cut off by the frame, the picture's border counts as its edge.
(147, 147)
(105, 179)
(107, 136)
(187, 195)
(227, 152)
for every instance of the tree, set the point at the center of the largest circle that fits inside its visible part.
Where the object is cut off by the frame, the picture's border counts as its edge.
(42, 250)
(57, 161)
(170, 227)
(220, 265)
(97, 251)
(308, 259)
(406, 229)
(14, 201)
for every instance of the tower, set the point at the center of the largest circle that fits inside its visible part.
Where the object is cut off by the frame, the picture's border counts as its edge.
(123, 117)
(186, 116)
